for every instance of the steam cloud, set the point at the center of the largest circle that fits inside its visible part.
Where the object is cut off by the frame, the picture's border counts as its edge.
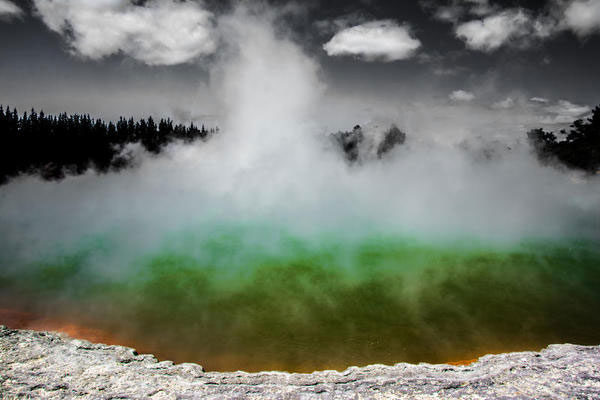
(274, 162)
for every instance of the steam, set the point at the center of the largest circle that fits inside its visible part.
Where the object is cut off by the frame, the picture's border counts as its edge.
(274, 161)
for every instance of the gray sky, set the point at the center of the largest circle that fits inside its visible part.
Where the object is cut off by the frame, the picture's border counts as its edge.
(113, 57)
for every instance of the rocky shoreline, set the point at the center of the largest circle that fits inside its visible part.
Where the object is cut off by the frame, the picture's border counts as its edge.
(50, 365)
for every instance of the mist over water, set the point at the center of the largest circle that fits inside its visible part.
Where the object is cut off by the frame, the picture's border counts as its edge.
(264, 249)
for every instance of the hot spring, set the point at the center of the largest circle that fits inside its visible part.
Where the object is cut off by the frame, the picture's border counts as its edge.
(263, 249)
(352, 272)
(253, 296)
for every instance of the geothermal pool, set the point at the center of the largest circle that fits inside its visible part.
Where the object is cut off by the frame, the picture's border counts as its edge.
(256, 297)
(265, 248)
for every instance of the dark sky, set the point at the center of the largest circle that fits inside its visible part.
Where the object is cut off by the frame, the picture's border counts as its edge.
(494, 53)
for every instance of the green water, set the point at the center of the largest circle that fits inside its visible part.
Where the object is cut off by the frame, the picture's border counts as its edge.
(255, 298)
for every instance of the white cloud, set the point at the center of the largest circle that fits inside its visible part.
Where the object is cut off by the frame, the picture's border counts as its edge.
(461, 95)
(446, 71)
(545, 26)
(161, 32)
(451, 13)
(539, 100)
(567, 108)
(457, 9)
(583, 16)
(378, 40)
(505, 104)
(494, 31)
(480, 7)
(518, 27)
(331, 26)
(564, 112)
(497, 27)
(9, 9)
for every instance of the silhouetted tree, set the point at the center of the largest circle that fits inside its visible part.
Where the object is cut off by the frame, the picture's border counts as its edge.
(580, 149)
(351, 143)
(391, 138)
(53, 146)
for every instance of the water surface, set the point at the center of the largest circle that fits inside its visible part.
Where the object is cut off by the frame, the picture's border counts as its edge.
(259, 298)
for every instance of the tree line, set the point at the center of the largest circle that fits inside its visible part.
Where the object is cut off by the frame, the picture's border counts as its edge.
(53, 146)
(578, 149)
